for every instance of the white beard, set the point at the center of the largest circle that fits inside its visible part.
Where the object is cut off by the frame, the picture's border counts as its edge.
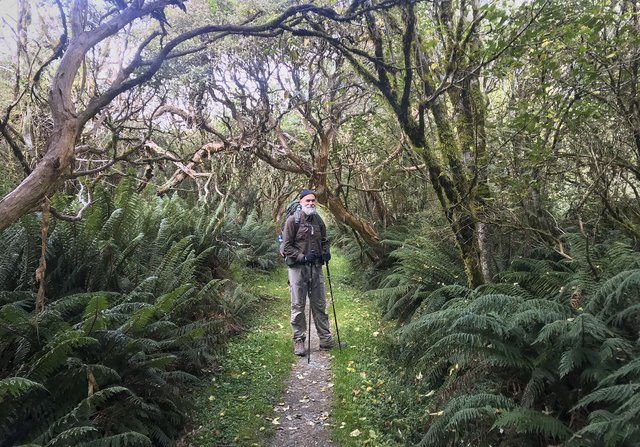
(308, 210)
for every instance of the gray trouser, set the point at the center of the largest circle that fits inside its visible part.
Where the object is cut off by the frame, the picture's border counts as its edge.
(299, 288)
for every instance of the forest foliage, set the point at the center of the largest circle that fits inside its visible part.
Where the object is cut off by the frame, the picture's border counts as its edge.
(139, 302)
(545, 354)
(477, 160)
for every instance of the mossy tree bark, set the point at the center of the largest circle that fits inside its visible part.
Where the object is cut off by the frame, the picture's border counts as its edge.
(426, 62)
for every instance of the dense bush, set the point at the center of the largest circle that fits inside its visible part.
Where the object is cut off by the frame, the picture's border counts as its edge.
(135, 306)
(548, 354)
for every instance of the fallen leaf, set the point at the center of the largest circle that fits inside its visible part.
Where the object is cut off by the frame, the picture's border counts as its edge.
(276, 421)
(355, 433)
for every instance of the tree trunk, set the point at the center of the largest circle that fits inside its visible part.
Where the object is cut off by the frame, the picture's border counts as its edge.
(43, 180)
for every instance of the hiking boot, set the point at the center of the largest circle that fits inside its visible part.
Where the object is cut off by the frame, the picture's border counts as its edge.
(299, 349)
(332, 344)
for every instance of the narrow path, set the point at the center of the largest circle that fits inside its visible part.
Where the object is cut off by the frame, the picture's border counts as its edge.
(303, 416)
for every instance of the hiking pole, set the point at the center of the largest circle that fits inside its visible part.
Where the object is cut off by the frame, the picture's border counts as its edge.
(333, 304)
(309, 295)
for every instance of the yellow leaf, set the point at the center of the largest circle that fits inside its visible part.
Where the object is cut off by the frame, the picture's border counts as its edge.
(439, 413)
(212, 397)
(355, 433)
(363, 374)
(276, 421)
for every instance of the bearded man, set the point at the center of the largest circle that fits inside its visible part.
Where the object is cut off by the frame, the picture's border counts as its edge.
(306, 248)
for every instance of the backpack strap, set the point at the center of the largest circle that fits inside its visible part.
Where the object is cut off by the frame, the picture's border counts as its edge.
(296, 216)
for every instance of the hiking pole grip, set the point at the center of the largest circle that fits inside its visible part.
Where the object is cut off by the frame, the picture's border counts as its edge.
(333, 305)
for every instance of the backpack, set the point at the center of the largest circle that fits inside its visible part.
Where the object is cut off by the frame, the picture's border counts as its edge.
(293, 209)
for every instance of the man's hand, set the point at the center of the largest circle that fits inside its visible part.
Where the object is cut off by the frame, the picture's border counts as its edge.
(326, 256)
(310, 257)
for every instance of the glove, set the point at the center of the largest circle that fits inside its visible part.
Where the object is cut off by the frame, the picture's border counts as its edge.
(326, 256)
(310, 257)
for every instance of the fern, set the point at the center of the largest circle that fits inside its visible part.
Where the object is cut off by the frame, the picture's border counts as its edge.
(523, 420)
(451, 424)
(56, 352)
(17, 386)
(132, 439)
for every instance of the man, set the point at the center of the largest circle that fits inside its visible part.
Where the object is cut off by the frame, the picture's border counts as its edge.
(306, 248)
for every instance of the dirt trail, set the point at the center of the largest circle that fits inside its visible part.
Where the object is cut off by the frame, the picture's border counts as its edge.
(304, 412)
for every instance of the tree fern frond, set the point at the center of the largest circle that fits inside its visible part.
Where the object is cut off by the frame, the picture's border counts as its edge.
(459, 412)
(524, 420)
(609, 429)
(625, 372)
(16, 386)
(439, 298)
(56, 352)
(130, 439)
(614, 394)
(73, 436)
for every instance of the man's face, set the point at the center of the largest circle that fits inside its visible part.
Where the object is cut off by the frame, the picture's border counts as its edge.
(308, 204)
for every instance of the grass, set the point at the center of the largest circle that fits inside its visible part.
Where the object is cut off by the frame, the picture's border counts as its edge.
(362, 394)
(231, 409)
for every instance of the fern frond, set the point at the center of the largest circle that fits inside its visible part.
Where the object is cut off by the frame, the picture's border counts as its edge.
(130, 439)
(614, 394)
(73, 436)
(56, 352)
(461, 413)
(524, 420)
(17, 386)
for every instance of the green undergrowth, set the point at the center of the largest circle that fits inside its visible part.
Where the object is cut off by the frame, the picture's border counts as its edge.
(234, 406)
(364, 400)
(231, 409)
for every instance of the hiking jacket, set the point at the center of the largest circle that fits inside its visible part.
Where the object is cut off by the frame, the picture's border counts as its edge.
(310, 234)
